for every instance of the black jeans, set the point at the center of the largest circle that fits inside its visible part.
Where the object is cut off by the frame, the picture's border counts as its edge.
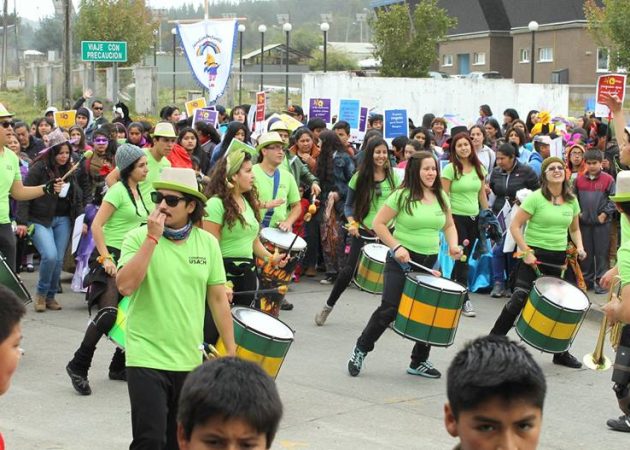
(7, 244)
(345, 275)
(466, 229)
(393, 286)
(154, 395)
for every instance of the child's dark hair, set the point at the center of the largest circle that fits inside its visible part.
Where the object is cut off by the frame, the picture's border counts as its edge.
(493, 367)
(11, 312)
(342, 125)
(594, 154)
(230, 388)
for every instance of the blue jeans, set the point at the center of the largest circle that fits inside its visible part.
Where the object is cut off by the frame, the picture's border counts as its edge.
(502, 263)
(51, 243)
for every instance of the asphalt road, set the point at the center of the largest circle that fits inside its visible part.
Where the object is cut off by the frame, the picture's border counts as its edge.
(325, 408)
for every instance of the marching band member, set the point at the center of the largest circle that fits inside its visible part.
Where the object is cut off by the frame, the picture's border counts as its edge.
(549, 212)
(367, 191)
(420, 210)
(170, 269)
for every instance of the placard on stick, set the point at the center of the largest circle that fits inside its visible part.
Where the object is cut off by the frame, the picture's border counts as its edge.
(65, 119)
(613, 84)
(195, 104)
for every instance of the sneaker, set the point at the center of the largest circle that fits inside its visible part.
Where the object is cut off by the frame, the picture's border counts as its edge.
(120, 375)
(285, 305)
(80, 383)
(52, 304)
(507, 292)
(600, 290)
(356, 361)
(497, 290)
(620, 424)
(327, 280)
(468, 309)
(567, 359)
(30, 268)
(425, 369)
(320, 317)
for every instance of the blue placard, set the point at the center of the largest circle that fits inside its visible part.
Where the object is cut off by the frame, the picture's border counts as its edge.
(395, 123)
(350, 111)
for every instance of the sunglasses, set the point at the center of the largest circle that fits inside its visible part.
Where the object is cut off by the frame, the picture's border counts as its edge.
(7, 123)
(171, 200)
(101, 141)
(555, 169)
(98, 108)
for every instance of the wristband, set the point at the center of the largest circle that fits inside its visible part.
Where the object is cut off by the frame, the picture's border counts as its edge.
(151, 238)
(395, 249)
(101, 259)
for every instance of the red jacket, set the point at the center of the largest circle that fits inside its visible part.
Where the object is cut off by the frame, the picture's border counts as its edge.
(179, 157)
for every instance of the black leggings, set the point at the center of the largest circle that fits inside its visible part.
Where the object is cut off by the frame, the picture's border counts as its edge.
(466, 230)
(7, 244)
(345, 274)
(393, 286)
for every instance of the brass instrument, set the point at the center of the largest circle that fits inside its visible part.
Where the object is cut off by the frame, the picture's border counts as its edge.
(597, 360)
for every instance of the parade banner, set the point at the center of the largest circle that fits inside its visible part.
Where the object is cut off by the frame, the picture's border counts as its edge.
(395, 123)
(319, 108)
(65, 119)
(194, 104)
(611, 85)
(209, 49)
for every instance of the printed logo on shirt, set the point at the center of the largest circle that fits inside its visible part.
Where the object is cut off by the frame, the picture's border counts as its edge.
(198, 260)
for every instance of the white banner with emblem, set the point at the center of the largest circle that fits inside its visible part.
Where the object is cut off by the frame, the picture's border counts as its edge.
(209, 48)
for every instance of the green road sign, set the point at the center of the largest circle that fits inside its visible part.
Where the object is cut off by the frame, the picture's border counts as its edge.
(103, 51)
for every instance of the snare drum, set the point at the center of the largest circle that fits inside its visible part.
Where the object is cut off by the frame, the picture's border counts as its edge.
(274, 238)
(429, 309)
(119, 330)
(259, 338)
(552, 315)
(369, 274)
(13, 282)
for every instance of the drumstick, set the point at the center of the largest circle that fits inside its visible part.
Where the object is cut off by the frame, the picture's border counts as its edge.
(555, 266)
(202, 349)
(292, 244)
(435, 273)
(87, 155)
(465, 243)
(280, 290)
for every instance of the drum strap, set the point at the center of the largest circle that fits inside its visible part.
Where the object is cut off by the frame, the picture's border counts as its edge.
(276, 183)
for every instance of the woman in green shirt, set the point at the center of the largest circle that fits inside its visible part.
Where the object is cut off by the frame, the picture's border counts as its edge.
(549, 213)
(367, 191)
(463, 181)
(123, 209)
(420, 211)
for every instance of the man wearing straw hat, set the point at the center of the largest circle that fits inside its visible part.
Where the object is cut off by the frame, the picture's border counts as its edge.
(169, 269)
(11, 184)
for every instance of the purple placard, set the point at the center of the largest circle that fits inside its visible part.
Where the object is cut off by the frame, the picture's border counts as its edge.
(319, 108)
(363, 119)
(205, 115)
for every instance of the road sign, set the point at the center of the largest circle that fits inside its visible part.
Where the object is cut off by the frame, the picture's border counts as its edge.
(103, 51)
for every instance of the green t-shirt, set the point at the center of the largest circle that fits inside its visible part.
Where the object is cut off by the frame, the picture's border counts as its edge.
(464, 193)
(625, 228)
(9, 172)
(287, 189)
(166, 312)
(378, 200)
(127, 217)
(549, 224)
(236, 242)
(155, 169)
(419, 231)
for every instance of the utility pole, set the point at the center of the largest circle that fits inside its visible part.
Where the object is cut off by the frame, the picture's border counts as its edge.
(5, 25)
(17, 50)
(67, 50)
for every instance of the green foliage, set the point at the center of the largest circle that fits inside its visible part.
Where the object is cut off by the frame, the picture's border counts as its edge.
(49, 35)
(406, 41)
(335, 60)
(610, 27)
(117, 20)
(305, 40)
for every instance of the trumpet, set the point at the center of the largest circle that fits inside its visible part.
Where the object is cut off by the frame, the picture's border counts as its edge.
(597, 360)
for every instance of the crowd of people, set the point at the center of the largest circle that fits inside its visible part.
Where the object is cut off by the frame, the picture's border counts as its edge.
(191, 200)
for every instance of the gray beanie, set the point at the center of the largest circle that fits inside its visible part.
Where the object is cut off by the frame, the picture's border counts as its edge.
(126, 155)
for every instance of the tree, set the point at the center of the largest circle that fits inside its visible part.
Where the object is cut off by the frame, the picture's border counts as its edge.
(335, 60)
(609, 23)
(117, 20)
(49, 35)
(406, 41)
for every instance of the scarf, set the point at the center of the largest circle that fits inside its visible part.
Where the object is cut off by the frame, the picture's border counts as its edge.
(178, 235)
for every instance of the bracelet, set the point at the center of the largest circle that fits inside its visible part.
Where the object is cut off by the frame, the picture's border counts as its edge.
(151, 238)
(101, 259)
(395, 249)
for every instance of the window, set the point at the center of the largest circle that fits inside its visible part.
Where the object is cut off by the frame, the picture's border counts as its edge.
(603, 60)
(524, 55)
(447, 60)
(545, 54)
(479, 59)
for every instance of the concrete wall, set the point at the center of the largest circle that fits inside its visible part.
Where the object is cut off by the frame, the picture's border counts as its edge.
(461, 97)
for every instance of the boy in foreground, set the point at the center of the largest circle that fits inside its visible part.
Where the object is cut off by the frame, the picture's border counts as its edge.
(495, 394)
(228, 403)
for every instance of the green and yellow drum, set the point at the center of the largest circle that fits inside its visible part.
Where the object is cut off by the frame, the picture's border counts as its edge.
(369, 274)
(259, 338)
(429, 309)
(119, 330)
(9, 279)
(552, 315)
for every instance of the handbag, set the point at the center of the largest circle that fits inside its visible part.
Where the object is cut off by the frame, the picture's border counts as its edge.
(480, 267)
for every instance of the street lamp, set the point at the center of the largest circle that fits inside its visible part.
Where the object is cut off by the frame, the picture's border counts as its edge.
(533, 27)
(262, 29)
(174, 33)
(287, 29)
(325, 27)
(155, 35)
(241, 30)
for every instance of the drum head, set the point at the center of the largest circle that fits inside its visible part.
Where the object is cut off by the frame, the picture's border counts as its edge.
(262, 323)
(562, 293)
(435, 282)
(377, 252)
(282, 239)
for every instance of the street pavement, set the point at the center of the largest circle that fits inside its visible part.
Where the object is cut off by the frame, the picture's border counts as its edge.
(325, 408)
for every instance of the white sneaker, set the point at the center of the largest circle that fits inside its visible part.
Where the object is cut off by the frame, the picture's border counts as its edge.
(468, 309)
(320, 317)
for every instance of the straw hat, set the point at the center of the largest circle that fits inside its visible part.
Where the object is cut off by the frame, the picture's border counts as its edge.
(279, 125)
(4, 112)
(180, 180)
(164, 129)
(267, 139)
(623, 187)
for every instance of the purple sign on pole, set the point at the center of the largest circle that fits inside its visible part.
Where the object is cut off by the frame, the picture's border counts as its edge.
(319, 108)
(363, 119)
(205, 115)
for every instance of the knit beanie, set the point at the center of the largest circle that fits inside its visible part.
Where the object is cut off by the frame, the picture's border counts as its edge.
(551, 159)
(126, 155)
(83, 112)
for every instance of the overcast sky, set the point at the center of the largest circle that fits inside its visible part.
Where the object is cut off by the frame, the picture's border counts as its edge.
(37, 9)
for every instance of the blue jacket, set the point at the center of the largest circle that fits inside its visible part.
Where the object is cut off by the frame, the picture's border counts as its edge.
(535, 162)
